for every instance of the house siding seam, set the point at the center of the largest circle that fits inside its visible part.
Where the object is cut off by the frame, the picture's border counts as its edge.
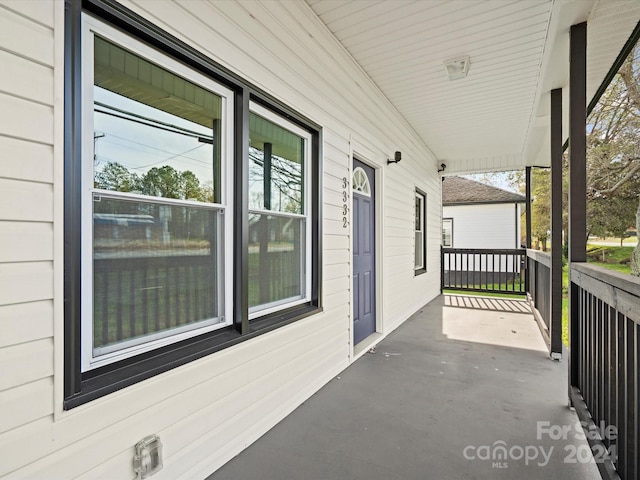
(206, 411)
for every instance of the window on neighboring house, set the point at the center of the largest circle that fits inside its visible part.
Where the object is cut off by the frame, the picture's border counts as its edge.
(156, 271)
(420, 255)
(447, 232)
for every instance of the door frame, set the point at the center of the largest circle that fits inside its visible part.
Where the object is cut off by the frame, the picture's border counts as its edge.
(375, 159)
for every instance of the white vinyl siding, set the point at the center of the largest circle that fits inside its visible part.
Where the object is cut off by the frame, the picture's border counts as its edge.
(26, 229)
(208, 410)
(484, 225)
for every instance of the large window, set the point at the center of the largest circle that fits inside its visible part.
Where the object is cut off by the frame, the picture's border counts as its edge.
(420, 255)
(278, 226)
(155, 153)
(171, 252)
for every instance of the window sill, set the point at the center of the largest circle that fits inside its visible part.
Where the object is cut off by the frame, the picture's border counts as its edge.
(105, 380)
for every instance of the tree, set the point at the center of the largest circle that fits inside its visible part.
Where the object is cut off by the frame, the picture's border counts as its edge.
(189, 187)
(610, 217)
(162, 182)
(541, 205)
(117, 178)
(613, 165)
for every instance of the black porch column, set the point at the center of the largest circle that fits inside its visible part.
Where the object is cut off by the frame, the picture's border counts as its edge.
(527, 286)
(555, 328)
(577, 181)
(528, 205)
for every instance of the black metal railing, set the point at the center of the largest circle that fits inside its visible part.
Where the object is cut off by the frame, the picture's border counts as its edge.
(483, 270)
(605, 371)
(146, 295)
(539, 284)
(138, 296)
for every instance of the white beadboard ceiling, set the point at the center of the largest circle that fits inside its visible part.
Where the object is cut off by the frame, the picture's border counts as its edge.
(497, 117)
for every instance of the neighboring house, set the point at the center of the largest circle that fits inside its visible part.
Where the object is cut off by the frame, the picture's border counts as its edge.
(476, 215)
(479, 216)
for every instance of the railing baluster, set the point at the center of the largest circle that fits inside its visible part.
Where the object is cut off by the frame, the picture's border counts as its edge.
(632, 399)
(131, 295)
(156, 297)
(169, 294)
(106, 321)
(468, 269)
(613, 374)
(145, 299)
(622, 394)
(119, 319)
(188, 289)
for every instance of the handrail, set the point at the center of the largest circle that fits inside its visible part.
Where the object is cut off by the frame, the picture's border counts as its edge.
(621, 281)
(618, 290)
(497, 251)
(540, 257)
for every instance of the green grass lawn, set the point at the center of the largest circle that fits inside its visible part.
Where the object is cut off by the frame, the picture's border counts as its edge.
(613, 258)
(609, 256)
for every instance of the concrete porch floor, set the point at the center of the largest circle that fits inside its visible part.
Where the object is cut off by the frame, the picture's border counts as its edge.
(462, 376)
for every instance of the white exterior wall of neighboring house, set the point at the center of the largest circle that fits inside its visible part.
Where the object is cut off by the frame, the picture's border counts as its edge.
(210, 409)
(487, 225)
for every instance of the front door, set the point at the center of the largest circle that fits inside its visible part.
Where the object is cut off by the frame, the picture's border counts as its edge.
(364, 255)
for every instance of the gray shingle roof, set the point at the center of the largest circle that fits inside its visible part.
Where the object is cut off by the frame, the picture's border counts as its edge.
(459, 190)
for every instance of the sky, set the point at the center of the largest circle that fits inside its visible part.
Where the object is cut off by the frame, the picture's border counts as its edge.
(140, 147)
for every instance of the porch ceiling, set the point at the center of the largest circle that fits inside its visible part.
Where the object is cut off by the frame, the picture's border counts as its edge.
(497, 117)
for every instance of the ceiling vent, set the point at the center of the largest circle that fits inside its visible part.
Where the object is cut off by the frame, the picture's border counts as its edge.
(457, 68)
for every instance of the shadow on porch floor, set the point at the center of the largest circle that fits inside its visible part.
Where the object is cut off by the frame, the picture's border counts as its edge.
(436, 397)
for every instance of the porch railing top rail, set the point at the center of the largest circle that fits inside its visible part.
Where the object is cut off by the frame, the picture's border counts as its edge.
(623, 281)
(619, 290)
(497, 251)
(541, 257)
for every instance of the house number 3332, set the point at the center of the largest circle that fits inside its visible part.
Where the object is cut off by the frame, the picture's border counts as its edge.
(345, 206)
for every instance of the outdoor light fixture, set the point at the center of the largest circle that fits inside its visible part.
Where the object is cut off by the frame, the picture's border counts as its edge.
(457, 68)
(396, 158)
(148, 457)
(442, 168)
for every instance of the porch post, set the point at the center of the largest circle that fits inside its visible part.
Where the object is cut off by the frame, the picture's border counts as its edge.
(577, 181)
(527, 217)
(555, 327)
(528, 205)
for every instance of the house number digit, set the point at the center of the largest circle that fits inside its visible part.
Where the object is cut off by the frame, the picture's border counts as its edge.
(345, 206)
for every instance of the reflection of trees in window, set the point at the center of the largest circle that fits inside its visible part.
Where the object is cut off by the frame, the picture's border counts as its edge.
(158, 182)
(163, 181)
(285, 182)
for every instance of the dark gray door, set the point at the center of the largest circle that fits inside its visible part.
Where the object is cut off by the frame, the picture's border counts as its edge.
(364, 273)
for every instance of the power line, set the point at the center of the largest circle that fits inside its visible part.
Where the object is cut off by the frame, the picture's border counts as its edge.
(153, 123)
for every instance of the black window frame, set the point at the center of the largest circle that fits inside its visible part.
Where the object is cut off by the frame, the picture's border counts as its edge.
(420, 270)
(443, 220)
(82, 387)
